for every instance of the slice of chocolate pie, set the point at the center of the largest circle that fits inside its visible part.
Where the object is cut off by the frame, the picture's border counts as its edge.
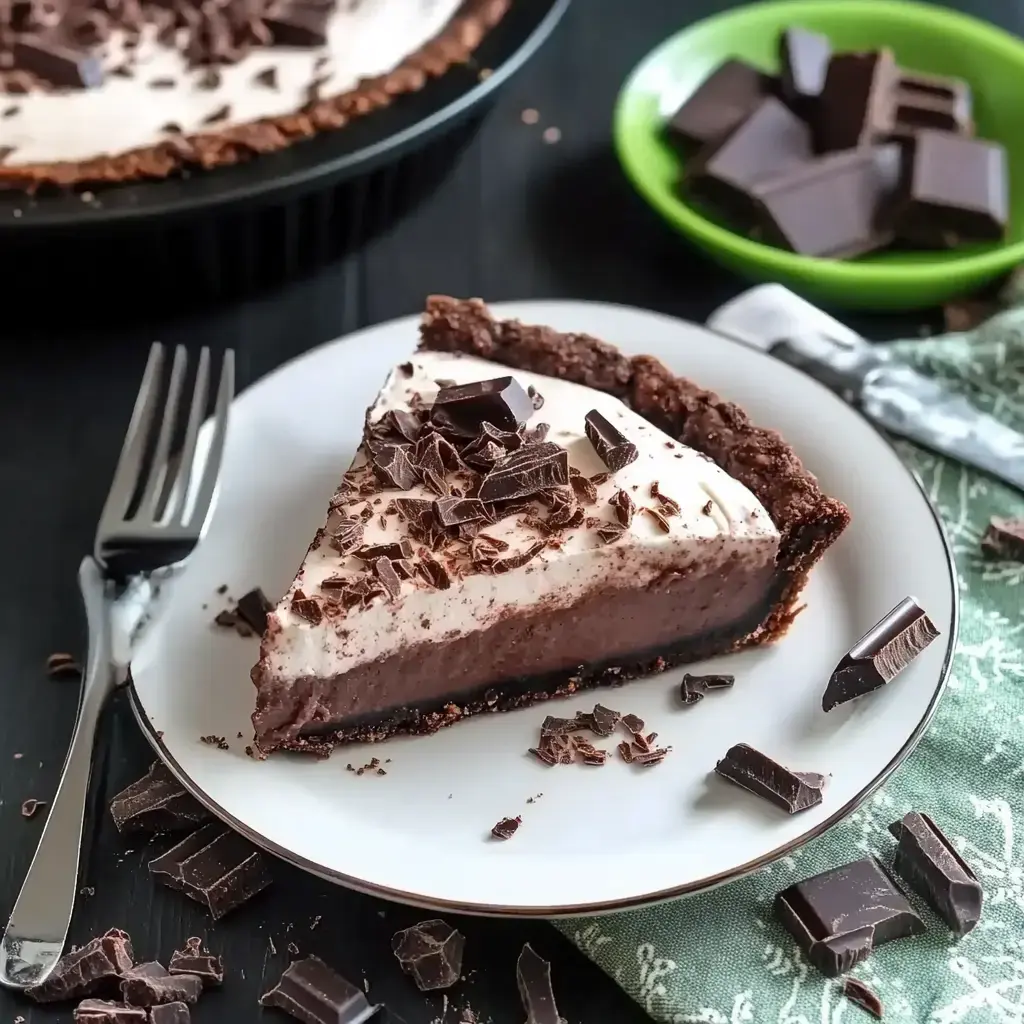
(530, 514)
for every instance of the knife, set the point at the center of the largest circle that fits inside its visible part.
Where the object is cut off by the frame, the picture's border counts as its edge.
(893, 395)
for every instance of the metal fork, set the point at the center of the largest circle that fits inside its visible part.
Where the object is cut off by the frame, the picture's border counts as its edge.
(134, 539)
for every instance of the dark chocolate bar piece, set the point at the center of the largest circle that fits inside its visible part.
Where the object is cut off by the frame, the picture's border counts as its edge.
(613, 448)
(56, 58)
(103, 1011)
(756, 772)
(502, 402)
(431, 952)
(170, 1013)
(533, 974)
(1004, 538)
(840, 916)
(693, 688)
(312, 992)
(192, 960)
(101, 961)
(525, 472)
(955, 190)
(854, 108)
(150, 983)
(804, 58)
(214, 866)
(156, 803)
(930, 101)
(881, 654)
(772, 140)
(931, 866)
(829, 207)
(863, 996)
(252, 608)
(725, 99)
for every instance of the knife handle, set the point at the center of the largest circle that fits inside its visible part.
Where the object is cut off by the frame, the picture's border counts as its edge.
(903, 401)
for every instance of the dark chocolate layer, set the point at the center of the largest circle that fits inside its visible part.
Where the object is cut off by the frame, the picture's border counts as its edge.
(606, 640)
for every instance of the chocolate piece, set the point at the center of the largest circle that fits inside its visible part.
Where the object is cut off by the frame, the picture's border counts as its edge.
(84, 970)
(58, 60)
(156, 803)
(613, 448)
(533, 975)
(312, 992)
(604, 720)
(861, 995)
(293, 23)
(346, 533)
(855, 104)
(881, 654)
(384, 570)
(31, 806)
(431, 952)
(524, 473)
(466, 407)
(170, 1013)
(149, 984)
(252, 608)
(453, 511)
(103, 1011)
(396, 549)
(829, 207)
(841, 915)
(719, 104)
(633, 723)
(191, 959)
(772, 140)
(930, 101)
(758, 773)
(804, 58)
(1004, 538)
(214, 866)
(392, 466)
(930, 864)
(506, 828)
(693, 688)
(955, 190)
(60, 666)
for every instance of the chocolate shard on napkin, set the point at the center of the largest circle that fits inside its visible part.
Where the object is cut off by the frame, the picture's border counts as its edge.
(533, 974)
(929, 863)
(156, 803)
(863, 996)
(103, 1011)
(312, 992)
(502, 402)
(192, 960)
(840, 916)
(757, 773)
(150, 984)
(719, 104)
(100, 962)
(431, 952)
(881, 654)
(214, 866)
(1004, 538)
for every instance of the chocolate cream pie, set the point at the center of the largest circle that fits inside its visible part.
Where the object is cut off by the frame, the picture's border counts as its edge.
(531, 514)
(107, 91)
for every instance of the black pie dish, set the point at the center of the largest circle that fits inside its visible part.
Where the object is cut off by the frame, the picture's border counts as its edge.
(222, 233)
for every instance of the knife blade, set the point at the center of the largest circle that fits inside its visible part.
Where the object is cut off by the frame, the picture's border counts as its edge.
(889, 392)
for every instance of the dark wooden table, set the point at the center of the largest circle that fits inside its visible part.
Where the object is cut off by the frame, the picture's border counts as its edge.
(518, 218)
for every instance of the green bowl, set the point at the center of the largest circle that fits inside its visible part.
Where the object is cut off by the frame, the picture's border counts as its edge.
(924, 38)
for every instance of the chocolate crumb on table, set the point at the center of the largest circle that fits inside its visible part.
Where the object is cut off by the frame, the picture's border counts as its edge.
(31, 807)
(62, 666)
(98, 964)
(431, 952)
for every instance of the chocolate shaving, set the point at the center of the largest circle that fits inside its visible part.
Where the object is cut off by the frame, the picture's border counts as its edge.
(31, 807)
(391, 550)
(510, 562)
(307, 608)
(668, 505)
(536, 398)
(604, 720)
(345, 532)
(506, 828)
(626, 752)
(523, 473)
(452, 511)
(433, 572)
(583, 488)
(662, 522)
(624, 507)
(385, 572)
(633, 724)
(861, 995)
(610, 534)
(59, 666)
(613, 448)
(392, 466)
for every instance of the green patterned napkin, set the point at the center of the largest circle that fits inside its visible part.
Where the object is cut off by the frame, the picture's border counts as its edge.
(722, 958)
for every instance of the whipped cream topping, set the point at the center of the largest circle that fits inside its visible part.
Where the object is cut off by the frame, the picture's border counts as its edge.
(364, 40)
(718, 521)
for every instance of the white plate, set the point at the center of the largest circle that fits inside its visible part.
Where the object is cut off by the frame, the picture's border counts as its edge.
(598, 839)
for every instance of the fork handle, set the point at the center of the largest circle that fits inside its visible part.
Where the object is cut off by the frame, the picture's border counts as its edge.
(39, 923)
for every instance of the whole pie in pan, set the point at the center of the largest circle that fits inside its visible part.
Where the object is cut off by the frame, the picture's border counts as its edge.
(530, 514)
(108, 91)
